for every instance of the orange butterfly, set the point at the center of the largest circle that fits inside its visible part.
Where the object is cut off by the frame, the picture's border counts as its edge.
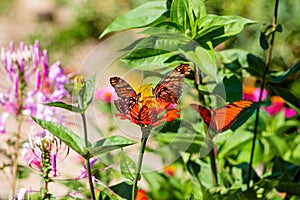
(168, 91)
(222, 118)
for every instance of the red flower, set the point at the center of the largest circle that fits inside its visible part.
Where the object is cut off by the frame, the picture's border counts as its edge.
(169, 170)
(141, 195)
(150, 111)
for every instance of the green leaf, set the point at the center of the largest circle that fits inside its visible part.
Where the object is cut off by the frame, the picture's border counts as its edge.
(109, 144)
(123, 189)
(204, 60)
(181, 14)
(63, 105)
(151, 52)
(142, 16)
(89, 91)
(233, 88)
(256, 65)
(286, 95)
(182, 141)
(217, 29)
(234, 59)
(193, 167)
(64, 134)
(235, 142)
(128, 168)
(278, 77)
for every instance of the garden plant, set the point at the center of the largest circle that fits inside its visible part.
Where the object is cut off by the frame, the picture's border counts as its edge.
(205, 121)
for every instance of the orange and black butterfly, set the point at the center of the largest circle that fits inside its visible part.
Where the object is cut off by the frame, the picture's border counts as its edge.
(127, 96)
(222, 118)
(168, 90)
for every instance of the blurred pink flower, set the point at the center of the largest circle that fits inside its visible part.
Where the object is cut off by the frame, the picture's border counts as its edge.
(277, 104)
(252, 93)
(105, 94)
(31, 82)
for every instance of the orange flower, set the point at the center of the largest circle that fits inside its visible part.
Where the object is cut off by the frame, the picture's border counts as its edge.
(150, 111)
(141, 195)
(169, 170)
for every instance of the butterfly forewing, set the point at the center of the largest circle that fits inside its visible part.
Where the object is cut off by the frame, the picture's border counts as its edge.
(127, 96)
(169, 89)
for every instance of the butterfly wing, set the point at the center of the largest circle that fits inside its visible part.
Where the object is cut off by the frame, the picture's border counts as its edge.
(127, 96)
(169, 89)
(205, 114)
(225, 116)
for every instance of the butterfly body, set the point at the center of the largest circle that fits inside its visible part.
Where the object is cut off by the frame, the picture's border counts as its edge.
(223, 117)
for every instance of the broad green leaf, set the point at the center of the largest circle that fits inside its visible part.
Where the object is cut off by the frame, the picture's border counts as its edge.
(286, 95)
(128, 168)
(109, 144)
(234, 59)
(181, 14)
(232, 86)
(89, 91)
(204, 60)
(193, 167)
(234, 143)
(231, 25)
(182, 142)
(142, 16)
(151, 52)
(198, 8)
(256, 65)
(123, 189)
(63, 105)
(277, 77)
(70, 138)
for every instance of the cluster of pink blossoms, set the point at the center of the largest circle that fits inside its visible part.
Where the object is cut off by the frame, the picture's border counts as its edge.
(277, 103)
(30, 82)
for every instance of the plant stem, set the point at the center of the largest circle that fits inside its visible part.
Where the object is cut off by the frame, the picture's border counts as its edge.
(86, 143)
(16, 156)
(267, 64)
(87, 160)
(213, 166)
(211, 153)
(145, 132)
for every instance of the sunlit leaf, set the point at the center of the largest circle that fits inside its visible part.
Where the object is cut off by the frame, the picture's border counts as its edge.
(221, 27)
(63, 105)
(142, 16)
(128, 168)
(109, 144)
(64, 134)
(89, 91)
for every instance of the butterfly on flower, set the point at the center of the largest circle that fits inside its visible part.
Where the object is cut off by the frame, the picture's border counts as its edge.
(145, 110)
(223, 117)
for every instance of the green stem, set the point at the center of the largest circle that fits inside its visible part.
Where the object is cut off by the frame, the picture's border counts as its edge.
(267, 64)
(212, 157)
(213, 166)
(145, 132)
(87, 160)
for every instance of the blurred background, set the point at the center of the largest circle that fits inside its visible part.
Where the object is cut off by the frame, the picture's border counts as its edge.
(69, 30)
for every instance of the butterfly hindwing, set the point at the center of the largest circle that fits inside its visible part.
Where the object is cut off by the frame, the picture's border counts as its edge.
(127, 96)
(169, 89)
